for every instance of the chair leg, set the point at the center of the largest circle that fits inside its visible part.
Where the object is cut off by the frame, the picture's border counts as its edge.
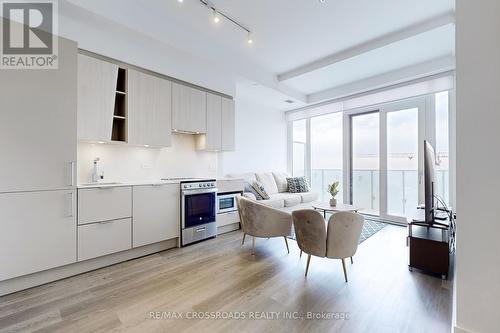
(300, 256)
(308, 261)
(243, 241)
(345, 271)
(287, 248)
(352, 261)
(253, 245)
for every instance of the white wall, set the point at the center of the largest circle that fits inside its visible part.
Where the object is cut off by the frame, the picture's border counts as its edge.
(125, 163)
(478, 161)
(260, 140)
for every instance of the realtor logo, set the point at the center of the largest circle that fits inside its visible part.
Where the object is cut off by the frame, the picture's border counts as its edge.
(29, 36)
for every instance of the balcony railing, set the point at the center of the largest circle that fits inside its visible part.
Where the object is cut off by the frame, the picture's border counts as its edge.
(402, 188)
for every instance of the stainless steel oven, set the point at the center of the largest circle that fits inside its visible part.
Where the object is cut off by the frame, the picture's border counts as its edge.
(198, 210)
(226, 202)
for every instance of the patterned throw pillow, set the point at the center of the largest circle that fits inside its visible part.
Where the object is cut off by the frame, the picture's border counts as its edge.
(260, 189)
(249, 188)
(297, 185)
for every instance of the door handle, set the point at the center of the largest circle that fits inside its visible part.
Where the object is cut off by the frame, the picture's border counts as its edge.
(201, 229)
(72, 173)
(71, 200)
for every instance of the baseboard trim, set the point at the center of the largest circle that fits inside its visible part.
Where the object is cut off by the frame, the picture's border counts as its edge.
(457, 329)
(228, 228)
(58, 273)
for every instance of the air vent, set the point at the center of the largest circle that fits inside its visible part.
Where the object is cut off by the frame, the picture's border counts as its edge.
(289, 101)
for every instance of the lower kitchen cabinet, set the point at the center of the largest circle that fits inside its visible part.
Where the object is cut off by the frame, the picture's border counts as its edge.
(156, 213)
(37, 231)
(102, 238)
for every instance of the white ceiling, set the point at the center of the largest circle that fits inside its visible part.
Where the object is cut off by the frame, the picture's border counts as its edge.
(289, 34)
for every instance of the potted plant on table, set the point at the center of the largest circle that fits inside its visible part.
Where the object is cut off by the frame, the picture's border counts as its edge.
(333, 189)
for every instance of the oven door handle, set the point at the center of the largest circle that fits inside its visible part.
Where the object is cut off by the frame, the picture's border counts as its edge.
(199, 191)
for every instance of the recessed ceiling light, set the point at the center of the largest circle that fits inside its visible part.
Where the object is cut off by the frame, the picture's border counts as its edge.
(180, 1)
(100, 142)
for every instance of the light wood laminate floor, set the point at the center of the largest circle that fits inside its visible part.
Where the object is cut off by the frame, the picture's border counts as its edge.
(221, 275)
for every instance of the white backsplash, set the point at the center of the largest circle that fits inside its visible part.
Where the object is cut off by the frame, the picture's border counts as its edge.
(124, 163)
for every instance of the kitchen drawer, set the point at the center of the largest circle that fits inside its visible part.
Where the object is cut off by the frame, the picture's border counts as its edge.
(99, 239)
(104, 204)
(227, 218)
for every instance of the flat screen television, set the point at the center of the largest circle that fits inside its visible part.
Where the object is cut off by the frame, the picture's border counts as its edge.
(429, 181)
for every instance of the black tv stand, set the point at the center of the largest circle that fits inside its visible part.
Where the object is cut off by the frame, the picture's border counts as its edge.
(429, 246)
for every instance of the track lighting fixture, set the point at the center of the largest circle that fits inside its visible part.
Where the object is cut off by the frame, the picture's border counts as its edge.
(217, 15)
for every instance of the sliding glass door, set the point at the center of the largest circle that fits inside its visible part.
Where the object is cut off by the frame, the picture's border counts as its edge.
(402, 143)
(385, 161)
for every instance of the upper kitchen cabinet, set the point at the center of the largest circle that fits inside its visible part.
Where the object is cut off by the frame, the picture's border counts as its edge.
(149, 109)
(97, 91)
(213, 138)
(189, 109)
(38, 125)
(228, 124)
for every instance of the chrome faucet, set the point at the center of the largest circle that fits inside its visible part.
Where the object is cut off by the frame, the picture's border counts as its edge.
(95, 175)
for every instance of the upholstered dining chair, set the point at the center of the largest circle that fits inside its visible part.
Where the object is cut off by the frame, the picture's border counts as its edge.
(259, 220)
(338, 240)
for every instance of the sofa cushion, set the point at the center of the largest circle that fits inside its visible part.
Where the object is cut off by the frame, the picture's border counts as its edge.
(275, 203)
(281, 183)
(289, 199)
(259, 188)
(308, 197)
(250, 195)
(267, 180)
(297, 185)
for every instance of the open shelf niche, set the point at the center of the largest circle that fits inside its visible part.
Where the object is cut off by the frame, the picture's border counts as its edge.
(119, 132)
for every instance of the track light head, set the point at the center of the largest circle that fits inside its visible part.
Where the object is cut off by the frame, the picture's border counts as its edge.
(216, 16)
(250, 38)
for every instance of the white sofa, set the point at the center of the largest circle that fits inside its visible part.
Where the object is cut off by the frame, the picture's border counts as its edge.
(276, 186)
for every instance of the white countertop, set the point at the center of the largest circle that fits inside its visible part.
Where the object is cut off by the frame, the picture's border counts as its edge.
(137, 183)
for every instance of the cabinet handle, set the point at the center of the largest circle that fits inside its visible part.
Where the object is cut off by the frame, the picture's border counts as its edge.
(201, 229)
(72, 173)
(70, 209)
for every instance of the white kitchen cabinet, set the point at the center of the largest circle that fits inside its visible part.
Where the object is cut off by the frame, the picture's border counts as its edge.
(38, 125)
(102, 238)
(149, 109)
(228, 125)
(156, 213)
(96, 98)
(37, 231)
(189, 109)
(104, 204)
(214, 122)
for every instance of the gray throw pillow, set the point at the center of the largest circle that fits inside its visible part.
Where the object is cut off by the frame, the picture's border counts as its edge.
(297, 185)
(260, 189)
